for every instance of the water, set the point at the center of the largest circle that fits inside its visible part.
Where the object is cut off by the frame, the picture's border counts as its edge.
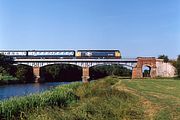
(7, 91)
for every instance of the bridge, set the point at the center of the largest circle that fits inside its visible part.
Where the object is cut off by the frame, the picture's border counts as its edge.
(136, 64)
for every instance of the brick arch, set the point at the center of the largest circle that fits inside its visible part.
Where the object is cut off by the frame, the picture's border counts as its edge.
(147, 61)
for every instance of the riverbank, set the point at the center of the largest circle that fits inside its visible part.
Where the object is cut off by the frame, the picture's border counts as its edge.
(107, 98)
(14, 82)
(7, 79)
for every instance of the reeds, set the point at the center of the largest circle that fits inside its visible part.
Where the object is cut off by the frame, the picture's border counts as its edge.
(59, 96)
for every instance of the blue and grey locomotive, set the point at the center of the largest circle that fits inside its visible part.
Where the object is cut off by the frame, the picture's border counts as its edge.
(98, 54)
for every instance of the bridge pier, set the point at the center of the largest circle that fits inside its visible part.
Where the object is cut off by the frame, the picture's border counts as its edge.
(137, 72)
(85, 74)
(36, 72)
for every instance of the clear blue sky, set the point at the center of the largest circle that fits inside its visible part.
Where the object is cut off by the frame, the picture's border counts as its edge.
(135, 27)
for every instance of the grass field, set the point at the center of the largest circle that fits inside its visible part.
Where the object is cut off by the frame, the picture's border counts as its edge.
(113, 98)
(159, 97)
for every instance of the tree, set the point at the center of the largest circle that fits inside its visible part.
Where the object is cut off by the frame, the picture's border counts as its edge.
(24, 73)
(62, 72)
(6, 67)
(178, 59)
(178, 66)
(2, 60)
(164, 57)
(102, 71)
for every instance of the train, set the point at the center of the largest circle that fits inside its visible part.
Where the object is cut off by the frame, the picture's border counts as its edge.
(63, 54)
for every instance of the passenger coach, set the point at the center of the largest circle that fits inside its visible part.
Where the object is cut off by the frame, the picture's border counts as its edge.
(14, 53)
(51, 54)
(39, 54)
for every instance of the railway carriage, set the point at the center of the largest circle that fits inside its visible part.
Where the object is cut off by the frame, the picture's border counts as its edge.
(51, 54)
(14, 53)
(40, 54)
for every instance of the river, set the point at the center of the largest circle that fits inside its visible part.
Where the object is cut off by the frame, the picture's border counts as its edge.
(8, 91)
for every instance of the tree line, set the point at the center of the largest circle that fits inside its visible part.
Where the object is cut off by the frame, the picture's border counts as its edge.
(11, 73)
(177, 65)
(66, 72)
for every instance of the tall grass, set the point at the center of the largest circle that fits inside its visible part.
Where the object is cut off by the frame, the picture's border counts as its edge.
(14, 108)
(112, 98)
(98, 100)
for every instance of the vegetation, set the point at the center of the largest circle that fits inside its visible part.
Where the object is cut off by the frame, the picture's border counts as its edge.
(24, 73)
(108, 70)
(160, 97)
(178, 66)
(111, 98)
(7, 74)
(65, 72)
(61, 72)
(17, 108)
(10, 72)
(164, 57)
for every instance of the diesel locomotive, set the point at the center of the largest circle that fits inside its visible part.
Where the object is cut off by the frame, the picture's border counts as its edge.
(101, 54)
(63, 54)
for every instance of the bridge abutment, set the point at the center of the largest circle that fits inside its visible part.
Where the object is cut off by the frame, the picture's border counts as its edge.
(85, 74)
(36, 72)
(137, 71)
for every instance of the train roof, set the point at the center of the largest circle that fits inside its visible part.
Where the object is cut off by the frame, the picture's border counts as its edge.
(91, 50)
(99, 50)
(35, 50)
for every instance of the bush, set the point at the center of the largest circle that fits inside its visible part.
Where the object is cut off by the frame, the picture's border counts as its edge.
(7, 78)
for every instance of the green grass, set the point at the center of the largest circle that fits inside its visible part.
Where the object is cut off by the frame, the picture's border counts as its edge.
(164, 94)
(18, 107)
(110, 98)
(99, 100)
(7, 77)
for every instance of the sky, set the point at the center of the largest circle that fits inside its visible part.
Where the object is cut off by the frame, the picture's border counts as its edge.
(135, 27)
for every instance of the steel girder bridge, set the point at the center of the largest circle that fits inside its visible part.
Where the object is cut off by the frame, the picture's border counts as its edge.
(84, 63)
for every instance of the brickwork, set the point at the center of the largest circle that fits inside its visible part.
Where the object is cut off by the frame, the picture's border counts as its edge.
(144, 61)
(36, 72)
(85, 74)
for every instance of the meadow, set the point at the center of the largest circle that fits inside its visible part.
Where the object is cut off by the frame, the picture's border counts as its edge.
(110, 98)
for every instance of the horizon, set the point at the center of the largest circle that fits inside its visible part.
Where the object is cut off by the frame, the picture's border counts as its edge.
(136, 28)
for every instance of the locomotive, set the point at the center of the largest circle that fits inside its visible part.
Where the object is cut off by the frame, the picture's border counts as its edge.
(63, 54)
(100, 54)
